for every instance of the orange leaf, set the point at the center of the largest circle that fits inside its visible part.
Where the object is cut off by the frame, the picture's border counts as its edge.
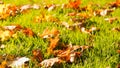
(53, 44)
(75, 4)
(3, 64)
(47, 33)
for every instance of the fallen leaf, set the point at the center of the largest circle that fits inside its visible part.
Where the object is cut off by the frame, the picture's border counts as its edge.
(35, 6)
(70, 54)
(115, 29)
(50, 62)
(48, 34)
(3, 65)
(110, 20)
(37, 55)
(51, 7)
(103, 12)
(25, 7)
(28, 32)
(74, 4)
(7, 10)
(5, 35)
(2, 46)
(13, 27)
(19, 63)
(115, 4)
(53, 44)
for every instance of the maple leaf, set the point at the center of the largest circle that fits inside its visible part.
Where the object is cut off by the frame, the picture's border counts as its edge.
(74, 4)
(37, 55)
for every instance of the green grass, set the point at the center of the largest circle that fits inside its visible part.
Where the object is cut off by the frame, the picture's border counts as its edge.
(105, 42)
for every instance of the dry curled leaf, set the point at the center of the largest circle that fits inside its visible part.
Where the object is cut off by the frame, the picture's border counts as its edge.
(50, 62)
(37, 55)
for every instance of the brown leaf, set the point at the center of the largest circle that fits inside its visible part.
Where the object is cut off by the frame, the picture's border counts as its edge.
(118, 66)
(115, 4)
(70, 54)
(28, 32)
(37, 55)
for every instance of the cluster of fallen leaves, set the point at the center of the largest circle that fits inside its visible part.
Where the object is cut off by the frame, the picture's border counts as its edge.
(7, 32)
(67, 53)
(80, 15)
(8, 10)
